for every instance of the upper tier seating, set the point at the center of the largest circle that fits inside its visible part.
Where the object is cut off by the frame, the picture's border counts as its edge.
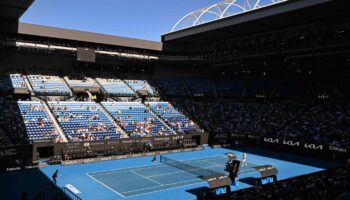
(115, 87)
(141, 85)
(5, 84)
(173, 86)
(37, 122)
(48, 85)
(18, 81)
(228, 87)
(259, 88)
(12, 122)
(84, 83)
(84, 121)
(13, 81)
(136, 120)
(199, 85)
(173, 117)
(289, 90)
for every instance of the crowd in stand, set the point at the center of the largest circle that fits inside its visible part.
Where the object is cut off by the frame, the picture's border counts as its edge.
(326, 185)
(322, 121)
(83, 122)
(326, 122)
(223, 116)
(12, 122)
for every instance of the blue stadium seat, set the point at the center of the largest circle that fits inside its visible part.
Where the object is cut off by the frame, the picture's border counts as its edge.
(84, 121)
(136, 119)
(48, 85)
(115, 87)
(172, 116)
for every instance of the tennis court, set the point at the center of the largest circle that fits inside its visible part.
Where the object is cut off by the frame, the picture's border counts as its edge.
(140, 178)
(149, 179)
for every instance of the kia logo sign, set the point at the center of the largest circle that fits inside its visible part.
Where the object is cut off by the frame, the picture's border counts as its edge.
(313, 146)
(291, 143)
(271, 140)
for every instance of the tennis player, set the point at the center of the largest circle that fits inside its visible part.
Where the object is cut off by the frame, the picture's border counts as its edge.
(154, 158)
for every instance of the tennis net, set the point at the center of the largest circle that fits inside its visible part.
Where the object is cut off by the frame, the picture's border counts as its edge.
(187, 167)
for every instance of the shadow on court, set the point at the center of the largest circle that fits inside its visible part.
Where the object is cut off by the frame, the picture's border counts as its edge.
(32, 183)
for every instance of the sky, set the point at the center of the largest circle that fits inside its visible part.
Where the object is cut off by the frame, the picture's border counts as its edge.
(141, 19)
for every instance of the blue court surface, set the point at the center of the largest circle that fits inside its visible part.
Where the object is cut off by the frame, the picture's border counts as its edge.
(139, 178)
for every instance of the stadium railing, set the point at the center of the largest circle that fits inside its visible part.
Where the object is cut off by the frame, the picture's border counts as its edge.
(53, 193)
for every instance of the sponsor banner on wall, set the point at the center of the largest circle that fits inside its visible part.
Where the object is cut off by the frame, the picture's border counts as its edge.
(99, 159)
(304, 145)
(337, 149)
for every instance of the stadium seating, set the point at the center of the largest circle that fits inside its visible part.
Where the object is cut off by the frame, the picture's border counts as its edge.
(18, 81)
(11, 121)
(84, 121)
(173, 86)
(37, 122)
(48, 85)
(142, 85)
(199, 85)
(262, 88)
(136, 119)
(5, 84)
(115, 87)
(229, 88)
(81, 83)
(13, 81)
(224, 116)
(172, 116)
(274, 115)
(326, 122)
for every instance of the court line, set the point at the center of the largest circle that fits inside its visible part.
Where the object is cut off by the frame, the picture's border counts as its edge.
(200, 181)
(146, 177)
(164, 189)
(143, 167)
(218, 165)
(164, 185)
(182, 171)
(106, 186)
(176, 172)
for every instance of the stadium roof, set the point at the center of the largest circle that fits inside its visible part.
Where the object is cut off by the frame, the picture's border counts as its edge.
(278, 16)
(67, 34)
(13, 9)
(221, 10)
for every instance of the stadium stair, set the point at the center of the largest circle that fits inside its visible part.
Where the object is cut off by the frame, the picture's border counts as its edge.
(192, 117)
(104, 92)
(53, 118)
(214, 88)
(137, 95)
(296, 116)
(29, 85)
(243, 91)
(65, 79)
(273, 91)
(166, 125)
(67, 86)
(111, 118)
(254, 118)
(186, 87)
(154, 84)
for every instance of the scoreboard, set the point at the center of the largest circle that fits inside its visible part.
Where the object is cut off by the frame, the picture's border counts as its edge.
(86, 55)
